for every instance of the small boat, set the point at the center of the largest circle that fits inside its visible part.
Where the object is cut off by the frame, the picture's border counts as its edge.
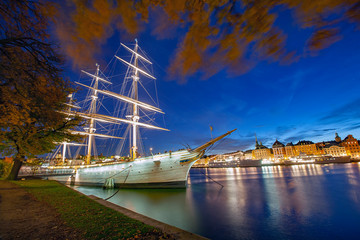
(330, 159)
(250, 163)
(236, 163)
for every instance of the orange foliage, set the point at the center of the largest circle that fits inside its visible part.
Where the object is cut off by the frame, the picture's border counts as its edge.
(32, 90)
(226, 34)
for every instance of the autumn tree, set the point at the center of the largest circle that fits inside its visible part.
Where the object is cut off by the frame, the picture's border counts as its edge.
(216, 35)
(32, 90)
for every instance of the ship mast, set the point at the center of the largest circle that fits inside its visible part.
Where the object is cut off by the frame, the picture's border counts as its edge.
(70, 105)
(132, 119)
(135, 115)
(134, 99)
(92, 110)
(94, 117)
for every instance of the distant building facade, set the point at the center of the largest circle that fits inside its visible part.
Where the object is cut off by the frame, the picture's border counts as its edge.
(262, 152)
(248, 154)
(349, 146)
(279, 150)
(307, 147)
(202, 162)
(290, 150)
(335, 150)
(352, 147)
(239, 155)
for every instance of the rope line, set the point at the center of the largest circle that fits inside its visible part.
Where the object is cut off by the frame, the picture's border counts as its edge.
(212, 179)
(119, 187)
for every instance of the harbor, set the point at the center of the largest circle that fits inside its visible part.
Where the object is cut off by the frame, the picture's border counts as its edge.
(270, 202)
(308, 201)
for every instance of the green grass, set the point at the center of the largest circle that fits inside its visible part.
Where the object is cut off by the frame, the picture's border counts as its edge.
(94, 220)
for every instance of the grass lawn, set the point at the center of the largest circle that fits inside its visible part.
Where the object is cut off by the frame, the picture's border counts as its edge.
(87, 216)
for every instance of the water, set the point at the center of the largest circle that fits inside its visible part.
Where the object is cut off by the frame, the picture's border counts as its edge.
(279, 202)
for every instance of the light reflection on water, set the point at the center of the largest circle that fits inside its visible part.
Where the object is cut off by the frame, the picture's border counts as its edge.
(273, 202)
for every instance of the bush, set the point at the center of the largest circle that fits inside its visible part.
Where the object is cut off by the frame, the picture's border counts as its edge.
(5, 169)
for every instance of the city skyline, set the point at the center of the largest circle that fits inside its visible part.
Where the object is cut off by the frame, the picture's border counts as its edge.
(270, 145)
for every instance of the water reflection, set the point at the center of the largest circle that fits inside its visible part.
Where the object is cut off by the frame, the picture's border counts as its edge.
(273, 202)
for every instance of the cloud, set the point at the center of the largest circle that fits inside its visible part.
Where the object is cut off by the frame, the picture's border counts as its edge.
(308, 133)
(346, 112)
(325, 130)
(248, 135)
(281, 130)
(232, 145)
(352, 127)
(342, 119)
(226, 145)
(291, 139)
(290, 133)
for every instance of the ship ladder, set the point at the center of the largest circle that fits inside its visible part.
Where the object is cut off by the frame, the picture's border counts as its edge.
(119, 187)
(109, 183)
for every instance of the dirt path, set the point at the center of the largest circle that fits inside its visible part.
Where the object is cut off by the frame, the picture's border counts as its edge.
(23, 217)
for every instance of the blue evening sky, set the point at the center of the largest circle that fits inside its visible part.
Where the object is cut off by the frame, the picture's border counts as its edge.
(310, 99)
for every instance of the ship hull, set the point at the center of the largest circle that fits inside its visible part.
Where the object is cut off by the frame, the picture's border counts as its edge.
(168, 170)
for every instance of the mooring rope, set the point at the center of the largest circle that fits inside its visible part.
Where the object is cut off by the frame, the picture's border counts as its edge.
(212, 179)
(119, 187)
(115, 174)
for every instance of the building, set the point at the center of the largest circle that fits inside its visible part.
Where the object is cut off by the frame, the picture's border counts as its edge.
(308, 148)
(203, 162)
(337, 138)
(334, 149)
(290, 150)
(279, 150)
(239, 155)
(351, 145)
(262, 152)
(248, 154)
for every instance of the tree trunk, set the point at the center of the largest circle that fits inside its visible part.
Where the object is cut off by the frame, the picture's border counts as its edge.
(18, 160)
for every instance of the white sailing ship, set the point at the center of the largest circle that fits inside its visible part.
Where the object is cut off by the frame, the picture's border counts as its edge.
(167, 170)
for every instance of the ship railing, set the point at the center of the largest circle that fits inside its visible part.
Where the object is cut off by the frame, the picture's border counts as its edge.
(27, 171)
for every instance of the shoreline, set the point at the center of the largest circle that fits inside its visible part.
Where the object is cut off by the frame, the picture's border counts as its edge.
(34, 209)
(276, 164)
(173, 231)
